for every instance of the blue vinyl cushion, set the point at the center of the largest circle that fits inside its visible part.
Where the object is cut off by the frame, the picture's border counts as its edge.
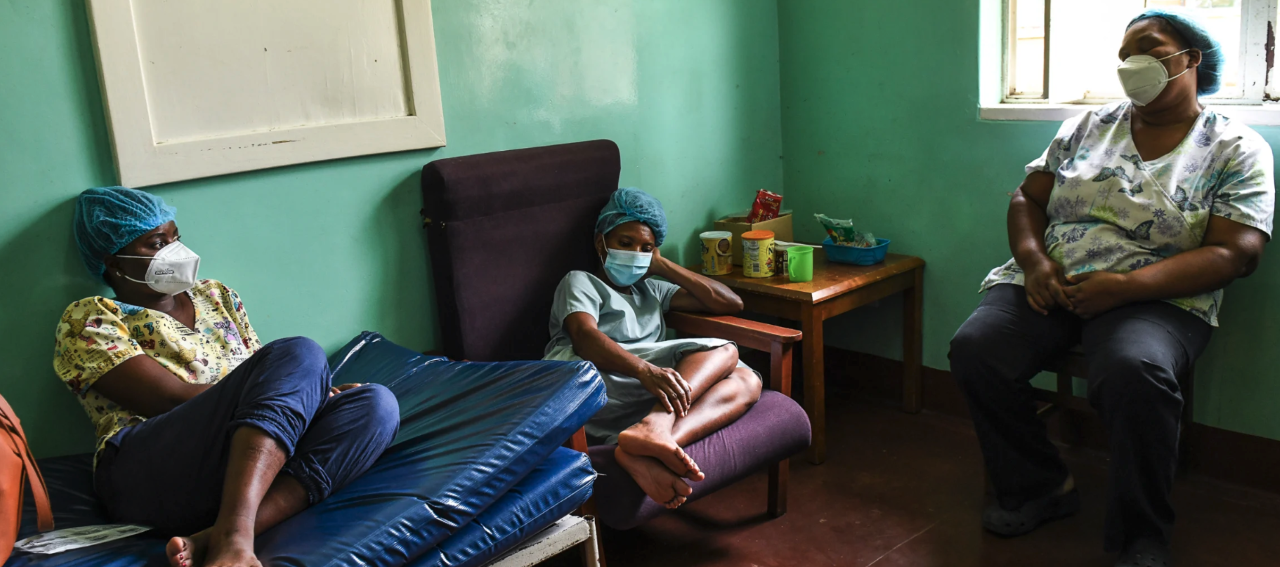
(469, 432)
(557, 487)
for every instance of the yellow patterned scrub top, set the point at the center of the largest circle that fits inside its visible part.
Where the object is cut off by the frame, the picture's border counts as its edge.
(96, 334)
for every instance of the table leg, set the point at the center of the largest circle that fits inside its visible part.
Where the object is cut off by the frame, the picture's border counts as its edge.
(912, 344)
(814, 381)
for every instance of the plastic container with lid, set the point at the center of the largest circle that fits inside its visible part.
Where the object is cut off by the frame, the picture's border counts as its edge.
(757, 254)
(717, 252)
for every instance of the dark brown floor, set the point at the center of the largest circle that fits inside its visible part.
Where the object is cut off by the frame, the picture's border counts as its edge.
(906, 490)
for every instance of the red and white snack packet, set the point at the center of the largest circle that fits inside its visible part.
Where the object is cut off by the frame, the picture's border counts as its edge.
(767, 207)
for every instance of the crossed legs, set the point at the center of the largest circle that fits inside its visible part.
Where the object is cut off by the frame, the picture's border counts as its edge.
(260, 446)
(255, 497)
(651, 450)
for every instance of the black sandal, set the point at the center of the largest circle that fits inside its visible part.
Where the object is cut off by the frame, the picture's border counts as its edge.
(1145, 553)
(1033, 514)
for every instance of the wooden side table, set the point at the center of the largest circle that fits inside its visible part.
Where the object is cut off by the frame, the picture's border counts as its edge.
(836, 289)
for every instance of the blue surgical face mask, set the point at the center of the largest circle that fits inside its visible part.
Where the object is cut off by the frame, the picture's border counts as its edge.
(625, 267)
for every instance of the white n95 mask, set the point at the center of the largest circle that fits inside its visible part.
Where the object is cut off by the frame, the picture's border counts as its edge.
(172, 271)
(1144, 77)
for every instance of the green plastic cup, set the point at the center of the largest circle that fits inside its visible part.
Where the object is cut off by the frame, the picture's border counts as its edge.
(800, 263)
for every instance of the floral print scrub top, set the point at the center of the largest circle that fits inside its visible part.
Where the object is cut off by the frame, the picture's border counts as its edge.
(1111, 211)
(96, 334)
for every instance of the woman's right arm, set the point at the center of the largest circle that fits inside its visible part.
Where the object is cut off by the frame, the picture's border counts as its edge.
(1028, 220)
(597, 348)
(142, 386)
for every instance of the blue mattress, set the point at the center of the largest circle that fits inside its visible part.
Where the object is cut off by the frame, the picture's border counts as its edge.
(554, 488)
(557, 487)
(469, 433)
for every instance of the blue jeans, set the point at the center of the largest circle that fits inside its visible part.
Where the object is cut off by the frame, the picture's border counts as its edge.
(168, 471)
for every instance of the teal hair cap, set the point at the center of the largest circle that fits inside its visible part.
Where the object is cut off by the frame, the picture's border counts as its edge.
(109, 218)
(629, 204)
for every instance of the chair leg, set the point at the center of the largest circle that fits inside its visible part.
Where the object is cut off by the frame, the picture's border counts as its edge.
(778, 473)
(1068, 417)
(579, 440)
(1186, 457)
(779, 381)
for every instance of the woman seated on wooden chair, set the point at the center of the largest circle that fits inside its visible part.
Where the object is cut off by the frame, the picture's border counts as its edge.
(1123, 235)
(202, 429)
(663, 394)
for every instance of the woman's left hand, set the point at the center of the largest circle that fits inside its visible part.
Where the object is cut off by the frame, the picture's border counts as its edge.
(1095, 293)
(335, 390)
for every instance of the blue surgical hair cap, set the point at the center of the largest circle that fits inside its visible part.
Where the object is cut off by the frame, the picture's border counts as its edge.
(1209, 75)
(629, 204)
(109, 218)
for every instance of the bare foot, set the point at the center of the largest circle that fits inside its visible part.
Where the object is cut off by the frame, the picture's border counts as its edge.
(187, 551)
(660, 484)
(230, 548)
(644, 440)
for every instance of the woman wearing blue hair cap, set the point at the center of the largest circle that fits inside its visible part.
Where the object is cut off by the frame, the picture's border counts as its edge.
(202, 429)
(629, 204)
(663, 394)
(1124, 234)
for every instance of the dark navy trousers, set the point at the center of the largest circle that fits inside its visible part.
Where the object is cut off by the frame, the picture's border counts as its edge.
(1135, 354)
(168, 471)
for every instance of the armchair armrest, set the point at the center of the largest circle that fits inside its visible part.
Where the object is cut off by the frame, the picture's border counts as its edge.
(750, 334)
(775, 340)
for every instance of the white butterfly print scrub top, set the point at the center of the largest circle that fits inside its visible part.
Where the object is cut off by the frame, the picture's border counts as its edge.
(1110, 211)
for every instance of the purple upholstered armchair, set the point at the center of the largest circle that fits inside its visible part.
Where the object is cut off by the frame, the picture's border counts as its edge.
(503, 228)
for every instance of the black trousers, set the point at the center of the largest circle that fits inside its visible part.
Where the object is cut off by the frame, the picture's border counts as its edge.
(1135, 354)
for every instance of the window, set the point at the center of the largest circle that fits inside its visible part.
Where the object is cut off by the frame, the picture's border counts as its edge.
(1064, 51)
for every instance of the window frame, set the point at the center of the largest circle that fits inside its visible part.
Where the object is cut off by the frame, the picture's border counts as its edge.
(1261, 84)
(1010, 55)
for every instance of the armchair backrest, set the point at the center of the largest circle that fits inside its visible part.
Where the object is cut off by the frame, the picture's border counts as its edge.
(503, 228)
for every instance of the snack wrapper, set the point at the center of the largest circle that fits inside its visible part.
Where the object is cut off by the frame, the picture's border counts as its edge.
(843, 234)
(767, 207)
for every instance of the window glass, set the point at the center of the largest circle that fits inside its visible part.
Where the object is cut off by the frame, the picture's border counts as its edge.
(1027, 60)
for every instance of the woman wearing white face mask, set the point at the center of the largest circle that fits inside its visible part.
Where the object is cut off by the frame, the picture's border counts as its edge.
(203, 432)
(663, 395)
(1123, 234)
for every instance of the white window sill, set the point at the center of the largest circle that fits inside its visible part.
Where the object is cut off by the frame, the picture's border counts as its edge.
(1251, 114)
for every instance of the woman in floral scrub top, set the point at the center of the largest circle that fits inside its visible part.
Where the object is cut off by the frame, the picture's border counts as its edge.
(204, 433)
(1110, 211)
(96, 334)
(1123, 234)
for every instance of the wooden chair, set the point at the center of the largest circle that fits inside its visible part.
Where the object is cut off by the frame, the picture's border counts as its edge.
(1073, 365)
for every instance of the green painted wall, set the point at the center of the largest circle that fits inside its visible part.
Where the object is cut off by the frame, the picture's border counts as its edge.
(880, 123)
(689, 90)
